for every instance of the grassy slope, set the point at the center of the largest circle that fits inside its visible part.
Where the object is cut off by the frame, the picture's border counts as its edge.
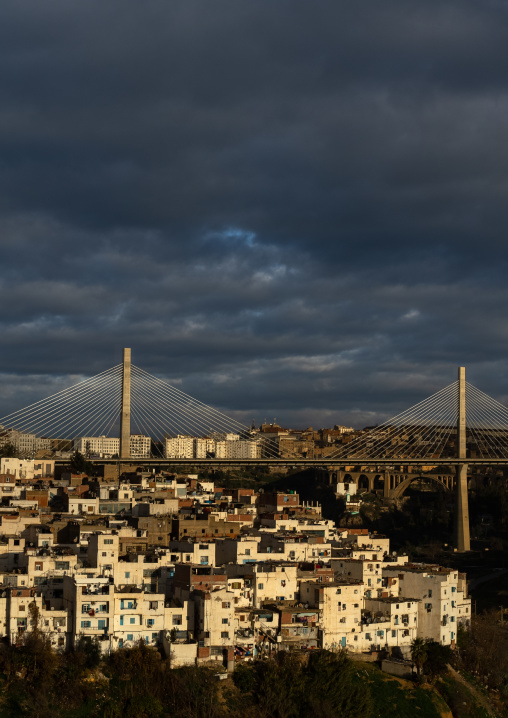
(399, 698)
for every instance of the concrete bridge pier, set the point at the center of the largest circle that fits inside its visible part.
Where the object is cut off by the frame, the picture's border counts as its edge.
(462, 537)
(125, 416)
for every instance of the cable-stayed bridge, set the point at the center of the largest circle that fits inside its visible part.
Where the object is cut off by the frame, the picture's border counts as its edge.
(134, 417)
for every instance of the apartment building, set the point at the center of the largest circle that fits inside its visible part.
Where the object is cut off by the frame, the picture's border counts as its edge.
(203, 584)
(438, 589)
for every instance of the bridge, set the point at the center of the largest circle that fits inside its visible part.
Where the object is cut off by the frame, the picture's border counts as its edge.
(135, 418)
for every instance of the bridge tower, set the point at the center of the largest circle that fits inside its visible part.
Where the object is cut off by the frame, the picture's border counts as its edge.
(462, 538)
(125, 412)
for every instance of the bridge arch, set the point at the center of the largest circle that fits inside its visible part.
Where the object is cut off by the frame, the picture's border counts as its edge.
(363, 483)
(400, 489)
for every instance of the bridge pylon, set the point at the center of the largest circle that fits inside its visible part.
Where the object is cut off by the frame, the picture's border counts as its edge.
(462, 537)
(125, 412)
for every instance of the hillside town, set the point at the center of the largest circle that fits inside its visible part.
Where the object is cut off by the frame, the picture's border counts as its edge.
(205, 573)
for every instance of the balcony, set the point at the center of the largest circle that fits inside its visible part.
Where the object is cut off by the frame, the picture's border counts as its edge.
(95, 591)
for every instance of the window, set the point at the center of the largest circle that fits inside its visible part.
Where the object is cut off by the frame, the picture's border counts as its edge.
(127, 574)
(129, 636)
(177, 620)
(394, 634)
(62, 565)
(85, 624)
(121, 620)
(226, 604)
(225, 621)
(224, 634)
(102, 623)
(430, 593)
(108, 541)
(150, 622)
(104, 553)
(247, 551)
(261, 585)
(132, 620)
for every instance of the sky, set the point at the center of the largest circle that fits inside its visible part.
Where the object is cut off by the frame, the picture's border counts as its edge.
(292, 210)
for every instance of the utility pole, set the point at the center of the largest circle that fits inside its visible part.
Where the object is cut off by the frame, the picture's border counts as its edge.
(462, 538)
(125, 417)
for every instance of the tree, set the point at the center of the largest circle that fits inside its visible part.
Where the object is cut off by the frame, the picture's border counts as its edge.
(289, 686)
(437, 658)
(79, 465)
(8, 451)
(419, 653)
(331, 688)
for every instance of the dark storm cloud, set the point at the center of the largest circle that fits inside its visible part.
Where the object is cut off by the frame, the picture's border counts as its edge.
(292, 210)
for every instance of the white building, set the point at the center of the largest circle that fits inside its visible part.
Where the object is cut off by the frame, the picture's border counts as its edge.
(19, 468)
(26, 445)
(440, 594)
(103, 446)
(237, 449)
(180, 447)
(106, 447)
(140, 446)
(340, 605)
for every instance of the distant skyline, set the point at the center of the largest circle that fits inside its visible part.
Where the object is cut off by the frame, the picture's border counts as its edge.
(289, 210)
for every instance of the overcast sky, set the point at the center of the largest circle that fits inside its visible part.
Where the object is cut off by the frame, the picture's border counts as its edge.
(292, 209)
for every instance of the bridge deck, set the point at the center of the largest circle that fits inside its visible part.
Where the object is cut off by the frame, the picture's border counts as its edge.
(303, 463)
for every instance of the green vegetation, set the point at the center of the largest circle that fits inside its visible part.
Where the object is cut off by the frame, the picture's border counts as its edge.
(397, 698)
(80, 465)
(431, 658)
(483, 653)
(321, 684)
(8, 451)
(137, 683)
(459, 699)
